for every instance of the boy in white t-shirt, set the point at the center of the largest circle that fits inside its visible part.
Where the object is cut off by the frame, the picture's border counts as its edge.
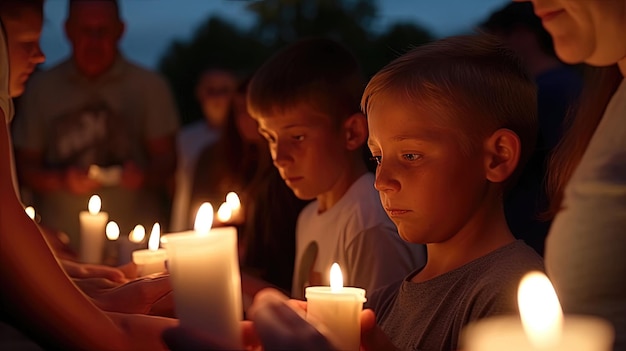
(306, 100)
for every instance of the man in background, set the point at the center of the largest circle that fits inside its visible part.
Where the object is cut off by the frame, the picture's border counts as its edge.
(97, 124)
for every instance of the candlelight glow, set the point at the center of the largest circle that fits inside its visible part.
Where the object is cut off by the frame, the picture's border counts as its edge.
(540, 310)
(30, 211)
(233, 200)
(204, 219)
(94, 204)
(336, 278)
(112, 230)
(137, 234)
(155, 235)
(225, 212)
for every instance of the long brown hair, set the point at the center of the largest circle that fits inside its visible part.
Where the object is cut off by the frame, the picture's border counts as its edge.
(600, 85)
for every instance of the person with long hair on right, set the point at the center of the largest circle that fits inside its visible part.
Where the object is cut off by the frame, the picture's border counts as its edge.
(585, 248)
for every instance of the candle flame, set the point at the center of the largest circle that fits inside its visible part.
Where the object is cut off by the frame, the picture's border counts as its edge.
(112, 230)
(30, 211)
(204, 219)
(232, 199)
(540, 310)
(155, 235)
(137, 234)
(336, 278)
(225, 212)
(94, 204)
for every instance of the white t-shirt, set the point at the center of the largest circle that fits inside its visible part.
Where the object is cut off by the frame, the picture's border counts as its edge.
(586, 246)
(356, 233)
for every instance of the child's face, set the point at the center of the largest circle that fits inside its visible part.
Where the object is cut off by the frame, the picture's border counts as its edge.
(428, 186)
(307, 148)
(23, 34)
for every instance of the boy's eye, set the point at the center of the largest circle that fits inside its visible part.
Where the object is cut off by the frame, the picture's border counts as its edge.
(298, 137)
(376, 159)
(411, 157)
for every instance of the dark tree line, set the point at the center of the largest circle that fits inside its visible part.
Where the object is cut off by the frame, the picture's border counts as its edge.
(219, 43)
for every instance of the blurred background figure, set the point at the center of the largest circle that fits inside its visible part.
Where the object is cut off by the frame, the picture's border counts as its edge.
(558, 87)
(240, 161)
(97, 124)
(214, 93)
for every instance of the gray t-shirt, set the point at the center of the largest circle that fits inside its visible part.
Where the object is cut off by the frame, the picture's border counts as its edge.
(430, 315)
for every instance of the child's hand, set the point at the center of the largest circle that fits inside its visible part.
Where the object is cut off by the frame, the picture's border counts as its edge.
(137, 296)
(372, 337)
(280, 323)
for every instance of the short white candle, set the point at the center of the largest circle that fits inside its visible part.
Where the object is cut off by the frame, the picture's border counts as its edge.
(153, 259)
(338, 309)
(204, 269)
(542, 326)
(92, 226)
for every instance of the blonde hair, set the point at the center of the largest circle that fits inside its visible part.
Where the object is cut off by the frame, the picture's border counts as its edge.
(471, 83)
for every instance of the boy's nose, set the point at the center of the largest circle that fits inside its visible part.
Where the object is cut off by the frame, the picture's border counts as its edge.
(384, 181)
(281, 155)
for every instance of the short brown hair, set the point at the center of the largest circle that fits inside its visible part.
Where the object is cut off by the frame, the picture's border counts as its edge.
(317, 72)
(472, 83)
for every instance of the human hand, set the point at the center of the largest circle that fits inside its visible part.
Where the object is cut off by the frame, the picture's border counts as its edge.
(372, 337)
(280, 323)
(85, 270)
(133, 177)
(78, 181)
(137, 296)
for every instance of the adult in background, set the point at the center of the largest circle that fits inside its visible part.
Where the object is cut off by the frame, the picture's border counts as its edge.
(215, 91)
(587, 241)
(96, 124)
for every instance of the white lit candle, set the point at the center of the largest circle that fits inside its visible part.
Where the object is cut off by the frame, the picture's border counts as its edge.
(153, 259)
(337, 309)
(232, 199)
(204, 269)
(92, 227)
(541, 325)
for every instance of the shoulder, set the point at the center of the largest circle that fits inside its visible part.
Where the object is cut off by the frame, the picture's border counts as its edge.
(496, 278)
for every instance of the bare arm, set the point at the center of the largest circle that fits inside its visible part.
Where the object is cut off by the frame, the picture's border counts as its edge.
(42, 298)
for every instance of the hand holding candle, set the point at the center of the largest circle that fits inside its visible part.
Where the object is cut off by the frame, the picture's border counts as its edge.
(92, 227)
(204, 269)
(339, 309)
(153, 259)
(542, 326)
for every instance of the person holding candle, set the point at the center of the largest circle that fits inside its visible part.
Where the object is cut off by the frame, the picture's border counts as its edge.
(451, 124)
(96, 110)
(306, 101)
(587, 178)
(39, 300)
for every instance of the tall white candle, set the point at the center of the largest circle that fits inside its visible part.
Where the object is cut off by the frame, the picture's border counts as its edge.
(541, 325)
(92, 226)
(153, 259)
(338, 310)
(204, 269)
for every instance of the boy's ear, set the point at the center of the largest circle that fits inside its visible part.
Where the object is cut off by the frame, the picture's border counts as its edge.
(502, 152)
(355, 131)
